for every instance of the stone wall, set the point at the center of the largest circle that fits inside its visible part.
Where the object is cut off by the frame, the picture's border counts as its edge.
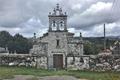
(39, 49)
(105, 63)
(75, 48)
(78, 62)
(42, 62)
(24, 60)
(94, 63)
(91, 62)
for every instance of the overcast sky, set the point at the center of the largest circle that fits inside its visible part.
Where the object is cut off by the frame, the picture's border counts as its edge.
(86, 16)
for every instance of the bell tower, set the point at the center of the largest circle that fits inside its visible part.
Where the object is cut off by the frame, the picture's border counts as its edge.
(57, 20)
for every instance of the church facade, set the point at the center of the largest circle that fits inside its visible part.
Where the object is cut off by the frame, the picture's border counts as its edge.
(58, 42)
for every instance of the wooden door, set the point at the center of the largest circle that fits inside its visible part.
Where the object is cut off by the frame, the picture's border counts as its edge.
(58, 61)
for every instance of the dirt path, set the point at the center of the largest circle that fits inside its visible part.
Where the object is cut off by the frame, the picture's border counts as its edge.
(30, 77)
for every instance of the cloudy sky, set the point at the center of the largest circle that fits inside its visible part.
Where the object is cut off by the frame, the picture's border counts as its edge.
(86, 16)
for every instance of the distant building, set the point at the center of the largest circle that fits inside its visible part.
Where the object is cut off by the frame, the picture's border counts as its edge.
(3, 50)
(57, 43)
(116, 48)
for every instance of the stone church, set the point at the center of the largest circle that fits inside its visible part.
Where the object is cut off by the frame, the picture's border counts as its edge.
(58, 42)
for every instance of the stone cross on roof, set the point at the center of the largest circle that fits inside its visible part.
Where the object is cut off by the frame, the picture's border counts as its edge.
(57, 10)
(57, 20)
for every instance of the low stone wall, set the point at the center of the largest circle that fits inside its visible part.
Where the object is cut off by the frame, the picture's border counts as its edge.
(78, 62)
(105, 63)
(23, 60)
(93, 63)
(41, 62)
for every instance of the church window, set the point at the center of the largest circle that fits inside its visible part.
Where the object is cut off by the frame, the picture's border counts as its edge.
(53, 23)
(61, 23)
(58, 43)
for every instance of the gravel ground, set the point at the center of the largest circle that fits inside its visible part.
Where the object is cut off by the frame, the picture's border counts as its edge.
(30, 77)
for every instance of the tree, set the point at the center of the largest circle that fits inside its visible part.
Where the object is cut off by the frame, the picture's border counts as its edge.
(22, 44)
(16, 43)
(88, 48)
(5, 37)
(91, 48)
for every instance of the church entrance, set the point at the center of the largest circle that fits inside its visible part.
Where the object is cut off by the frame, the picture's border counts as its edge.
(58, 61)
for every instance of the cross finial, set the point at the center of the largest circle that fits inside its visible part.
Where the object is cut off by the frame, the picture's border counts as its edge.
(35, 35)
(80, 34)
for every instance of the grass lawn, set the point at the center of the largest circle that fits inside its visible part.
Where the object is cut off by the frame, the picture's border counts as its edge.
(9, 72)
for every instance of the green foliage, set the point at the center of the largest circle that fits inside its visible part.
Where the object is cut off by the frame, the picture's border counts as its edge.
(93, 45)
(91, 48)
(88, 48)
(20, 44)
(16, 43)
(5, 38)
(9, 72)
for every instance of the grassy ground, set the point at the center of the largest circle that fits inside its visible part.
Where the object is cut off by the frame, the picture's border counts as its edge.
(9, 72)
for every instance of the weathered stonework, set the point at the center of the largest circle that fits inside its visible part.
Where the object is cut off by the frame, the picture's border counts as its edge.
(57, 41)
(41, 62)
(78, 62)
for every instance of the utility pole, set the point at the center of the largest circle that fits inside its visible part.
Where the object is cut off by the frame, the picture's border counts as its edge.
(34, 38)
(104, 38)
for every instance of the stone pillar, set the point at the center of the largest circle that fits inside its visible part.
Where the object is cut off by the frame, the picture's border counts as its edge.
(57, 26)
(66, 62)
(50, 62)
(38, 62)
(81, 44)
(65, 25)
(50, 24)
